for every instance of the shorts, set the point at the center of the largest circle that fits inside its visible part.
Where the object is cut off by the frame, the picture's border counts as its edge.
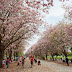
(3, 64)
(32, 62)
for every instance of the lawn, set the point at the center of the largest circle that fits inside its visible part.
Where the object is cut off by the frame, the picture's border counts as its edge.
(58, 57)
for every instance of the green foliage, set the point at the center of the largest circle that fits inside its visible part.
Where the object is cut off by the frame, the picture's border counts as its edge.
(69, 57)
(21, 54)
(59, 57)
(69, 54)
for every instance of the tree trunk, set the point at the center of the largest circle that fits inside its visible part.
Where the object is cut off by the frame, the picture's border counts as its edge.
(10, 54)
(64, 52)
(6, 54)
(46, 56)
(1, 49)
(1, 55)
(1, 58)
(14, 56)
(52, 57)
(40, 54)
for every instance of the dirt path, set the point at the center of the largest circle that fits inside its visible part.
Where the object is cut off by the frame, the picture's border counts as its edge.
(44, 67)
(57, 67)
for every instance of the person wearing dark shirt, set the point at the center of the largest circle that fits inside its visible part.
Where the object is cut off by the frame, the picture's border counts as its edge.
(23, 60)
(67, 61)
(7, 62)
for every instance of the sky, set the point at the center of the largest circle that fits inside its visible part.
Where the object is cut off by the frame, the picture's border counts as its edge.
(56, 14)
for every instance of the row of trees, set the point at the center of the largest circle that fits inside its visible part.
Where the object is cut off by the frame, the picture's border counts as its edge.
(19, 20)
(56, 40)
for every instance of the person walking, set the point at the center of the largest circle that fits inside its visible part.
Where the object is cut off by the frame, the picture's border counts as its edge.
(31, 61)
(18, 61)
(7, 62)
(3, 63)
(35, 60)
(23, 61)
(67, 61)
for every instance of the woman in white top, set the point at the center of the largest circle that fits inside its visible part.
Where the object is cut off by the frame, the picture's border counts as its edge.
(3, 62)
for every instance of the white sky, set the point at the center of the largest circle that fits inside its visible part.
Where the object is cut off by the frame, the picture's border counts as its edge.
(56, 14)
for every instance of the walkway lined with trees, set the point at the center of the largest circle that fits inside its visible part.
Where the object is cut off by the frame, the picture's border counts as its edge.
(44, 67)
(20, 20)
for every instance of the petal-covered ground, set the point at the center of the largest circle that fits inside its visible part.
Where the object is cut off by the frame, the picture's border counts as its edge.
(44, 67)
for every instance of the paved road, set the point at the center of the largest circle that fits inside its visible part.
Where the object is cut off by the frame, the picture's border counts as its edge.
(44, 67)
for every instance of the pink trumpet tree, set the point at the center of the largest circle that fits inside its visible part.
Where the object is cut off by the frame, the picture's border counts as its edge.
(55, 40)
(17, 22)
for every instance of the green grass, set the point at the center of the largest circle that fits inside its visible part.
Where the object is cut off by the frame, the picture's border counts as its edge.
(58, 57)
(69, 57)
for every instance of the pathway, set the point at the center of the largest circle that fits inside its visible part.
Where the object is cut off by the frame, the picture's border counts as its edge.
(44, 67)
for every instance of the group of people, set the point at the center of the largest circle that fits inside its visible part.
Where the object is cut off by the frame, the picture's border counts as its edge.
(34, 59)
(31, 58)
(21, 61)
(5, 62)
